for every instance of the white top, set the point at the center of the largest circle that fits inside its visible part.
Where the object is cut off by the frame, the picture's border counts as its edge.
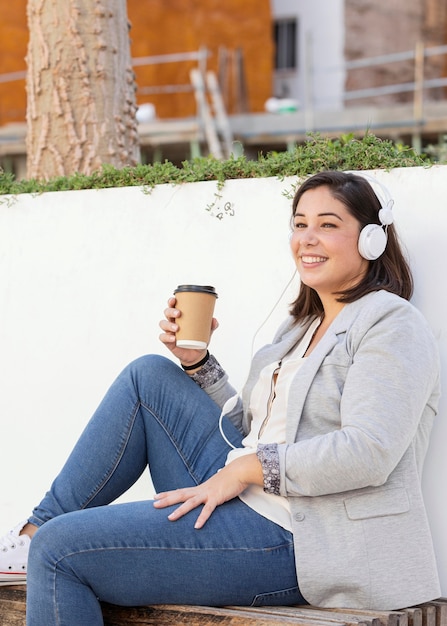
(268, 406)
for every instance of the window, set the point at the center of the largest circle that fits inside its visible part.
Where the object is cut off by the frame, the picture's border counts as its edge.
(285, 33)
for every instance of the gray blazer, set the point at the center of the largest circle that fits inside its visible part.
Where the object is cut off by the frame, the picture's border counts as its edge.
(359, 416)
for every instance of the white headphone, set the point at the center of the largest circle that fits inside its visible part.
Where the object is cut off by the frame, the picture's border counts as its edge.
(373, 237)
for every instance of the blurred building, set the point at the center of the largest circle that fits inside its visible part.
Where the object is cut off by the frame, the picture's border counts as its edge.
(215, 77)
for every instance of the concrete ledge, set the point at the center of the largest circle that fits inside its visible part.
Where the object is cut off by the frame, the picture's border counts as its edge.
(86, 275)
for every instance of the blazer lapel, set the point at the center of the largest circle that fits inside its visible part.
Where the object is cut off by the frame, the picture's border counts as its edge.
(306, 375)
(303, 380)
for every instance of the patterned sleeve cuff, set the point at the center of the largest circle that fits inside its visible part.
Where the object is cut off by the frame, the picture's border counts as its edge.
(268, 456)
(209, 373)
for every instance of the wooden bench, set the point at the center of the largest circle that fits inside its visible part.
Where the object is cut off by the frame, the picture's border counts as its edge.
(13, 600)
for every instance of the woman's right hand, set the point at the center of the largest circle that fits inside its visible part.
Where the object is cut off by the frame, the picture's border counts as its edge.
(167, 337)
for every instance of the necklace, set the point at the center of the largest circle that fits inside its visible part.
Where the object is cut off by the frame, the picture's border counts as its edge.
(274, 378)
(318, 326)
(270, 399)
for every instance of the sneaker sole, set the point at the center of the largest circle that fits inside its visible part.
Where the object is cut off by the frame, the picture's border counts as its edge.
(12, 579)
(10, 583)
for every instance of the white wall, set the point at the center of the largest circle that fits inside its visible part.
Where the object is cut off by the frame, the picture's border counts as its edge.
(84, 278)
(321, 39)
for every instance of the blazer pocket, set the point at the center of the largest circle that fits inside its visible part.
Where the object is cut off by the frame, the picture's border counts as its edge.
(378, 504)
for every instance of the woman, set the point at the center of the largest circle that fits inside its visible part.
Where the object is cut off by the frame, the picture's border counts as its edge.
(317, 498)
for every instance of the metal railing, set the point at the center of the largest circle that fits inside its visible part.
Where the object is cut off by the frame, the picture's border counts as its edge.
(12, 76)
(417, 55)
(200, 56)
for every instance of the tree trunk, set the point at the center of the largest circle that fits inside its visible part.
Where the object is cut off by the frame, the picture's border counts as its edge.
(81, 88)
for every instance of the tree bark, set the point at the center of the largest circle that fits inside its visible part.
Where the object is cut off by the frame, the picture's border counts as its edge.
(81, 88)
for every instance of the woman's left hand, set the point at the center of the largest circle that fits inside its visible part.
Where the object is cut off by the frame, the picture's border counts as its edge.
(228, 483)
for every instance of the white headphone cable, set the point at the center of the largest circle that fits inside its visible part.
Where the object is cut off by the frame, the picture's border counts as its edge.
(231, 402)
(271, 313)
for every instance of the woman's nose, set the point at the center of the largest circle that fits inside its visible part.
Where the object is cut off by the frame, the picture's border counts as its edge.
(308, 236)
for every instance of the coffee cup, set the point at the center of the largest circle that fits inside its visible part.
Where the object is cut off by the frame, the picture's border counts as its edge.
(196, 304)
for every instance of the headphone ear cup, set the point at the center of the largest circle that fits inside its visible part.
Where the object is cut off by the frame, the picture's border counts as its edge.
(372, 242)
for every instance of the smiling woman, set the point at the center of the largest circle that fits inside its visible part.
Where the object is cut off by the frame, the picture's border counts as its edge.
(325, 247)
(331, 213)
(321, 465)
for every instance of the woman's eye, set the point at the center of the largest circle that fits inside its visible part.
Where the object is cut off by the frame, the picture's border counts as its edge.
(323, 225)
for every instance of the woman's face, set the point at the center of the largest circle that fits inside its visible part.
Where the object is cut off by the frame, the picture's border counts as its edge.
(324, 244)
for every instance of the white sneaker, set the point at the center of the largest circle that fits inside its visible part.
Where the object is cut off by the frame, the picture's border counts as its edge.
(14, 550)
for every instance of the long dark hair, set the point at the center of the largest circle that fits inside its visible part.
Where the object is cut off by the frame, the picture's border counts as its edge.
(390, 271)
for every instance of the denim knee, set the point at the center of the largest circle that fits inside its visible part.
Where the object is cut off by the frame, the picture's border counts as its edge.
(150, 364)
(40, 545)
(50, 543)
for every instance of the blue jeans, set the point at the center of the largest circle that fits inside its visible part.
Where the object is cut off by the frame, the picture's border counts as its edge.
(131, 554)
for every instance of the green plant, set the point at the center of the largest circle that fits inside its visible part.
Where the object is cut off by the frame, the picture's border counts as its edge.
(316, 154)
(438, 152)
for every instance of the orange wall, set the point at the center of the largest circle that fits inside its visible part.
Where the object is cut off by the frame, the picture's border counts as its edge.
(164, 27)
(13, 43)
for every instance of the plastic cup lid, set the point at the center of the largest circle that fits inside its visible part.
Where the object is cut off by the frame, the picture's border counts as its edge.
(197, 288)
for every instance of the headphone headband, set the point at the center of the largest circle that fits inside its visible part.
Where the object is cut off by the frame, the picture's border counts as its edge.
(382, 193)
